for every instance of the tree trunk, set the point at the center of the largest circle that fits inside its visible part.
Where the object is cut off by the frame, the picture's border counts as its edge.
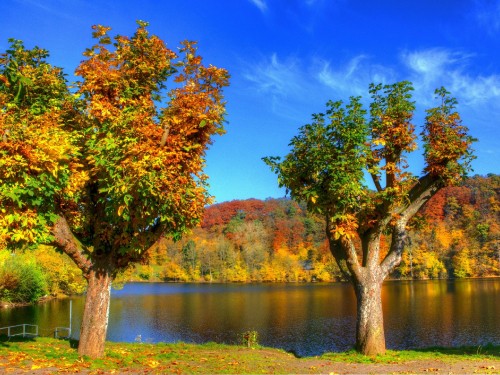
(96, 313)
(370, 339)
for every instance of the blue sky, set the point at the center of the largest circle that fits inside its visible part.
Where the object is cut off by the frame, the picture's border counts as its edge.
(287, 58)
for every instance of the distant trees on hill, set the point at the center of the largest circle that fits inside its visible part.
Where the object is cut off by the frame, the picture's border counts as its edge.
(456, 235)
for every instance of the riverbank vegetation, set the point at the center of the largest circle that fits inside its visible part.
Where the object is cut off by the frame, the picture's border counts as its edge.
(276, 240)
(31, 275)
(44, 355)
(456, 235)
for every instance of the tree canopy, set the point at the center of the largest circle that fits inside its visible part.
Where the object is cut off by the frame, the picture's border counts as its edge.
(327, 165)
(100, 169)
(120, 158)
(332, 156)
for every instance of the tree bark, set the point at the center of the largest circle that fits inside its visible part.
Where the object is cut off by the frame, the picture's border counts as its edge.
(370, 338)
(96, 313)
(367, 281)
(69, 244)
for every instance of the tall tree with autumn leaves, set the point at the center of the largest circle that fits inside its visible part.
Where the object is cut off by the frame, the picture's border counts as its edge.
(101, 173)
(326, 166)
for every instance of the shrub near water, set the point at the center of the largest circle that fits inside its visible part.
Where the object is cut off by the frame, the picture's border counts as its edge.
(61, 274)
(21, 280)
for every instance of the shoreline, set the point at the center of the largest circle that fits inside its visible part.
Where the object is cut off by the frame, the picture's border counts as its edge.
(44, 355)
(140, 281)
(8, 305)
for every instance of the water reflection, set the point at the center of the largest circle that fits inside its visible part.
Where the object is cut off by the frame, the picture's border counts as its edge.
(444, 313)
(305, 318)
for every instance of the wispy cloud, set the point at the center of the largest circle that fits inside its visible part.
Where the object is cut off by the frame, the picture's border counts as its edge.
(432, 68)
(426, 69)
(430, 62)
(288, 85)
(353, 77)
(285, 82)
(261, 4)
(275, 77)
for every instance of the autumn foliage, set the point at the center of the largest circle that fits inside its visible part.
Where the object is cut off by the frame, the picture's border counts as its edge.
(101, 172)
(278, 240)
(327, 165)
(456, 235)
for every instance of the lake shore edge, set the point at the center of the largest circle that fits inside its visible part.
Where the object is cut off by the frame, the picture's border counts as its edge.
(8, 304)
(47, 355)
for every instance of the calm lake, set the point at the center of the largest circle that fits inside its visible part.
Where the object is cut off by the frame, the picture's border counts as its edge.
(308, 319)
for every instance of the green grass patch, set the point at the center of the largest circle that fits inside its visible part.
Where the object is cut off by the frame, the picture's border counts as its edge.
(433, 353)
(59, 355)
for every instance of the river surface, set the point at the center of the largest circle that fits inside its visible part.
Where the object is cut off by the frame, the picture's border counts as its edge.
(307, 319)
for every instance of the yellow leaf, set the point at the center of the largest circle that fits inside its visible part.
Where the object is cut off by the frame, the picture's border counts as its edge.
(153, 364)
(120, 210)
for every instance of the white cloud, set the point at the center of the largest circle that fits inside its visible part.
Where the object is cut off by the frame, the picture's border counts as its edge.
(344, 79)
(275, 77)
(353, 77)
(433, 68)
(261, 4)
(291, 85)
(431, 61)
(289, 82)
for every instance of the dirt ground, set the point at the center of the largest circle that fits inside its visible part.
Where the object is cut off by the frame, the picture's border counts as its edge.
(37, 359)
(433, 366)
(411, 367)
(323, 367)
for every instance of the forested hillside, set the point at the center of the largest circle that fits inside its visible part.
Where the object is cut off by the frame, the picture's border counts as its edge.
(456, 235)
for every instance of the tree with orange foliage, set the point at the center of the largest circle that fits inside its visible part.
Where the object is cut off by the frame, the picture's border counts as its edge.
(102, 173)
(326, 168)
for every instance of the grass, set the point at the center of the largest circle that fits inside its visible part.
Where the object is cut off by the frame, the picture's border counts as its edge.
(58, 356)
(468, 353)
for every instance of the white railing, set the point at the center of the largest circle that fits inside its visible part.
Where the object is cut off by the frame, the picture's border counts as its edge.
(58, 330)
(28, 330)
(31, 330)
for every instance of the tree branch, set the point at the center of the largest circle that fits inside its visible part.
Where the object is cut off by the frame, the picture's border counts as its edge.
(343, 250)
(393, 257)
(147, 239)
(352, 257)
(376, 181)
(420, 193)
(164, 137)
(65, 241)
(390, 176)
(370, 244)
(341, 260)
